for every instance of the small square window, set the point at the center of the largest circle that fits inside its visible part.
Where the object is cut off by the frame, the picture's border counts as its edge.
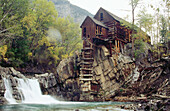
(101, 16)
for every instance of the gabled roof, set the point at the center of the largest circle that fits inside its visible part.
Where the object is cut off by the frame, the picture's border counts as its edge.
(122, 21)
(98, 22)
(95, 21)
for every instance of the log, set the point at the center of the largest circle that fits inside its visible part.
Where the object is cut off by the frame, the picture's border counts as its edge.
(161, 96)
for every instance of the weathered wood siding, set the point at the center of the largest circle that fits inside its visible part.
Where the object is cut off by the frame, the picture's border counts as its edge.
(106, 16)
(90, 28)
(102, 31)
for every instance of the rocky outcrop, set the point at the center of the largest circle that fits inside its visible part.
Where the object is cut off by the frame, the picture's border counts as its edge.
(49, 84)
(2, 91)
(154, 79)
(69, 79)
(111, 72)
(66, 70)
(64, 83)
(11, 75)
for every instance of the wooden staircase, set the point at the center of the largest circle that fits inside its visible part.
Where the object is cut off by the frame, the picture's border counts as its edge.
(86, 71)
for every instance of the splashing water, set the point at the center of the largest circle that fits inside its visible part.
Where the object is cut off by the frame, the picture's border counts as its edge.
(31, 93)
(9, 91)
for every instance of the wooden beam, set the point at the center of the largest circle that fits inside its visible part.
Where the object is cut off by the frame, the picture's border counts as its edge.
(120, 40)
(110, 43)
(116, 44)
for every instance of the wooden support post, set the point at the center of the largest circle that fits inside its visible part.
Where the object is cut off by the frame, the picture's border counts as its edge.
(129, 35)
(110, 43)
(116, 44)
(89, 86)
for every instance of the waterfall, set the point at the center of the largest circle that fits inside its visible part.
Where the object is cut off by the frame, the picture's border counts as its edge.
(8, 91)
(30, 92)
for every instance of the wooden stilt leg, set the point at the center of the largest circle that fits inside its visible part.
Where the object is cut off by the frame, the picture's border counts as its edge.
(116, 44)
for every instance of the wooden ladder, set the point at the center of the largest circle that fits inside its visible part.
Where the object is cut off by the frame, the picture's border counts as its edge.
(86, 70)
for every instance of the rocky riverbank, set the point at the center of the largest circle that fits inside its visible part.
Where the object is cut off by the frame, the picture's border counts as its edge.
(116, 78)
(150, 105)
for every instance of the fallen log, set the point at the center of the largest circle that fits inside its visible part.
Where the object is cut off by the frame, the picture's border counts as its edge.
(160, 96)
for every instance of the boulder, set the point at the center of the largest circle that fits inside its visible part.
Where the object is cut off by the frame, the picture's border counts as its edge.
(3, 101)
(46, 80)
(65, 69)
(124, 59)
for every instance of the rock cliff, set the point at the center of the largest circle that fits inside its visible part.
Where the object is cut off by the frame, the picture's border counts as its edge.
(65, 8)
(63, 84)
(111, 72)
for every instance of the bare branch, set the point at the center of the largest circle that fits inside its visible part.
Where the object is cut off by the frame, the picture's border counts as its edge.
(6, 13)
(4, 37)
(7, 29)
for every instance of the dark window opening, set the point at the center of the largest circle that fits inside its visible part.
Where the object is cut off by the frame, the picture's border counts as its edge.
(101, 16)
(100, 30)
(96, 29)
(84, 32)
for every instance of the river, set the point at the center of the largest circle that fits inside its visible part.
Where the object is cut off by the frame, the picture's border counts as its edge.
(33, 100)
(65, 106)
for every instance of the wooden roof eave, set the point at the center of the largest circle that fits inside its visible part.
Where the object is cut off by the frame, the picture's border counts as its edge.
(95, 22)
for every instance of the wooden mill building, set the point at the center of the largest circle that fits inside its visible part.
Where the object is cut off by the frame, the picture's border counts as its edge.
(106, 29)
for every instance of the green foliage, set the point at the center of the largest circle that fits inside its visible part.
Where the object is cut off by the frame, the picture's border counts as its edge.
(139, 47)
(121, 90)
(41, 16)
(71, 40)
(3, 50)
(145, 20)
(47, 53)
(140, 39)
(24, 27)
(18, 54)
(11, 14)
(134, 3)
(164, 30)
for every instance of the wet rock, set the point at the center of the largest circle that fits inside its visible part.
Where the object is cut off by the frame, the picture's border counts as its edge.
(13, 81)
(2, 88)
(124, 59)
(11, 75)
(3, 101)
(46, 80)
(14, 72)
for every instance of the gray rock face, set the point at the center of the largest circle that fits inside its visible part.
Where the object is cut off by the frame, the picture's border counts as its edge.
(47, 80)
(66, 69)
(49, 84)
(64, 84)
(65, 8)
(111, 72)
(11, 75)
(68, 79)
